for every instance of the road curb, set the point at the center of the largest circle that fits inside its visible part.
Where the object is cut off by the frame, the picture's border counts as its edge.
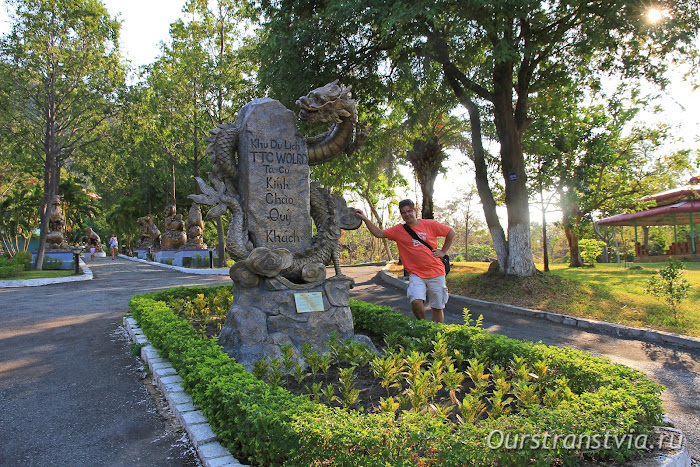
(201, 271)
(210, 451)
(618, 330)
(85, 276)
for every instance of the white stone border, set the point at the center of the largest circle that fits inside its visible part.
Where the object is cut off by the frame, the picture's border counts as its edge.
(85, 276)
(166, 379)
(202, 271)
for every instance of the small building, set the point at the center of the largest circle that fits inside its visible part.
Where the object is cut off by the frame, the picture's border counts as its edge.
(674, 207)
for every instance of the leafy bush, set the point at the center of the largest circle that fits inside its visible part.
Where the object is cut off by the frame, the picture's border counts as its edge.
(51, 264)
(23, 258)
(269, 426)
(669, 285)
(9, 269)
(480, 252)
(590, 250)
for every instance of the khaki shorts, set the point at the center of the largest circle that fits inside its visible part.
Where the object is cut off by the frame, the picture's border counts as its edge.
(433, 289)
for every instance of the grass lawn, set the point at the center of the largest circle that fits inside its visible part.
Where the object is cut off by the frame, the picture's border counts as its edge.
(39, 275)
(607, 292)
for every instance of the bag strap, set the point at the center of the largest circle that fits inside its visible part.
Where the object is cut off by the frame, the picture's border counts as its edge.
(413, 234)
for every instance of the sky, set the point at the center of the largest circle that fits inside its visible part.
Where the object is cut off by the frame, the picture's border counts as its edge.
(146, 23)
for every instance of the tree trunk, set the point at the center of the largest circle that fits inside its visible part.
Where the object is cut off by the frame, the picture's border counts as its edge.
(544, 236)
(572, 240)
(380, 224)
(52, 174)
(172, 178)
(520, 261)
(426, 158)
(570, 217)
(482, 184)
(221, 242)
(195, 151)
(427, 188)
(466, 237)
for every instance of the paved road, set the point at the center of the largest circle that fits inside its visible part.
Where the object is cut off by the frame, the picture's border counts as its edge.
(677, 369)
(70, 394)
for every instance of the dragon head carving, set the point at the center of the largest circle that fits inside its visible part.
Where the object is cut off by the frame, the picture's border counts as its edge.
(331, 103)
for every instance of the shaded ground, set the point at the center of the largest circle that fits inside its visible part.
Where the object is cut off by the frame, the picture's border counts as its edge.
(71, 392)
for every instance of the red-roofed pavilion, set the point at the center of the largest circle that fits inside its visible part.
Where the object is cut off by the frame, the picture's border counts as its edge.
(677, 206)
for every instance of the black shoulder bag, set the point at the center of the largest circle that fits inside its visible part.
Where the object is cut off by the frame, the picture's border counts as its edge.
(445, 259)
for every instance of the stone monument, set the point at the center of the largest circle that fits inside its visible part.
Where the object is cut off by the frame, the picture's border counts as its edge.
(261, 174)
(149, 237)
(174, 236)
(55, 239)
(195, 228)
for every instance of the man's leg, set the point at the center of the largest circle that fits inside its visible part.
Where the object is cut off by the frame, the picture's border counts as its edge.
(437, 296)
(418, 308)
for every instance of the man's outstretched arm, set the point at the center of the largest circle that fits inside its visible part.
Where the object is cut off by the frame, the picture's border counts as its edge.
(373, 229)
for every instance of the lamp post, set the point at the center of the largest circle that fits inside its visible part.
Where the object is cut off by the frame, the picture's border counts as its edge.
(211, 258)
(76, 258)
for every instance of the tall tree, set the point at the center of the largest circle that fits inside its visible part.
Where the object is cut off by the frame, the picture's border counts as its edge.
(205, 74)
(65, 79)
(495, 56)
(430, 130)
(597, 158)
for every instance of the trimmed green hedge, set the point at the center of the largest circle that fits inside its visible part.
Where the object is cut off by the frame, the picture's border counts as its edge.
(270, 426)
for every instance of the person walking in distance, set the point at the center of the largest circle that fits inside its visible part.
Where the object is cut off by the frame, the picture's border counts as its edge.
(424, 265)
(113, 244)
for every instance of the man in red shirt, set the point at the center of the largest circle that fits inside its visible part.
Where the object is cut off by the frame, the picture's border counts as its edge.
(425, 268)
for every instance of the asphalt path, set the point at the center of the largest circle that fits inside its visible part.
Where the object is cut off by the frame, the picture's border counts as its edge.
(71, 394)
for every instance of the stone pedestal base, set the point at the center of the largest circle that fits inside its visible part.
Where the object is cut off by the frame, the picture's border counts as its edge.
(192, 258)
(165, 257)
(64, 257)
(265, 317)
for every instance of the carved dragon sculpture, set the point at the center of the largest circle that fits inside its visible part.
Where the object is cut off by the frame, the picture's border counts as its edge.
(330, 104)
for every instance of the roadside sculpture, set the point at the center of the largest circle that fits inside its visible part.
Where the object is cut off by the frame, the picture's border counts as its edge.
(261, 174)
(55, 239)
(92, 238)
(195, 229)
(149, 237)
(174, 236)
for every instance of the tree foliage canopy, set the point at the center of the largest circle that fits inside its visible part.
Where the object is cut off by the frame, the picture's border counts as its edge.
(495, 56)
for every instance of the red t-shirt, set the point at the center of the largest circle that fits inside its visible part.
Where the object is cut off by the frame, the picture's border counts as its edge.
(417, 258)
